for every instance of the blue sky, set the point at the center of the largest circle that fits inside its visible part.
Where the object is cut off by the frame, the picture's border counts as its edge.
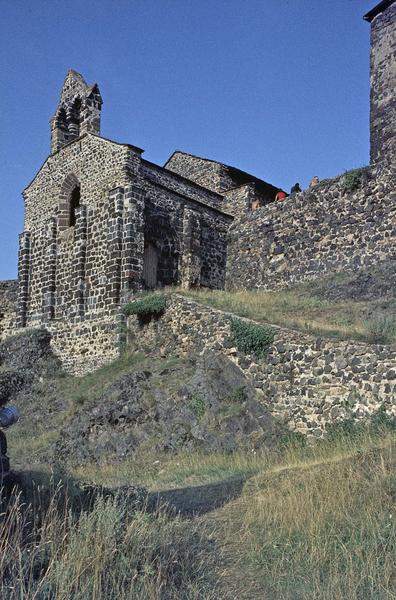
(278, 88)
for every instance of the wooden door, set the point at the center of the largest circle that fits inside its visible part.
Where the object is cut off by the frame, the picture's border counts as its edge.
(150, 265)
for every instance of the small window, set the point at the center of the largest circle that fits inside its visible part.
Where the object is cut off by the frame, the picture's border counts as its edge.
(74, 204)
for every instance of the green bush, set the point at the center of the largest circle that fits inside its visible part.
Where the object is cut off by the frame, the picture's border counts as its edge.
(352, 180)
(149, 306)
(379, 423)
(239, 395)
(251, 338)
(198, 404)
(292, 439)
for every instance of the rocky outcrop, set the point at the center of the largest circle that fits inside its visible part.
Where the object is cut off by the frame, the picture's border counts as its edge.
(25, 359)
(206, 404)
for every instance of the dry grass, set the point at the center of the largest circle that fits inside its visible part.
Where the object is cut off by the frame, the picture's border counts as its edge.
(326, 531)
(373, 321)
(108, 552)
(314, 522)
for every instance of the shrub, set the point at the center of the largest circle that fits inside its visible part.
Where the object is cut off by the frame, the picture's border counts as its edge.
(239, 394)
(198, 404)
(382, 420)
(251, 338)
(149, 306)
(292, 439)
(381, 329)
(348, 428)
(352, 180)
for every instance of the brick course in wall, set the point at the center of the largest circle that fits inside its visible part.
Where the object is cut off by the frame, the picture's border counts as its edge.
(305, 380)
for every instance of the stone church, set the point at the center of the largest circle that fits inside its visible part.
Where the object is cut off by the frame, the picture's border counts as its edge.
(102, 222)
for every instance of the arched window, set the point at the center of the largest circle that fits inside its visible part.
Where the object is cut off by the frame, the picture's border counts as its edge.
(61, 119)
(74, 204)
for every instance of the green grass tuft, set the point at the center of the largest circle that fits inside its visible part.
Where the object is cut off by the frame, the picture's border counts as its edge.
(148, 306)
(251, 338)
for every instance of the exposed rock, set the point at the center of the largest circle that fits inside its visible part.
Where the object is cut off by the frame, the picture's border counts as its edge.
(24, 360)
(208, 405)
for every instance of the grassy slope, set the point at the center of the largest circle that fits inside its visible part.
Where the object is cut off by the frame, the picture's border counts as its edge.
(316, 522)
(371, 321)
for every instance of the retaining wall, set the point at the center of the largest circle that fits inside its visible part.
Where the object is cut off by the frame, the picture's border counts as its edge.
(308, 381)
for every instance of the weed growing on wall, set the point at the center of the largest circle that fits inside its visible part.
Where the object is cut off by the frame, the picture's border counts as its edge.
(251, 338)
(152, 305)
(352, 180)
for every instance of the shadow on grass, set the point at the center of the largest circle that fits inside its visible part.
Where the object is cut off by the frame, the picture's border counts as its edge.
(38, 490)
(197, 500)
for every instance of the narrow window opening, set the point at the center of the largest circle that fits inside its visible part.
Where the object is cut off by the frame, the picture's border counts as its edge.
(61, 120)
(75, 118)
(74, 204)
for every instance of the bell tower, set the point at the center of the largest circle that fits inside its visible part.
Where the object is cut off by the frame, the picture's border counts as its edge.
(78, 111)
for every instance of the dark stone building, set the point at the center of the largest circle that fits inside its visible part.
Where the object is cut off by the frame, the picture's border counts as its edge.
(102, 222)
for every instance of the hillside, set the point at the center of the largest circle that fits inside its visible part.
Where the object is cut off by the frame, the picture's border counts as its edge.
(181, 483)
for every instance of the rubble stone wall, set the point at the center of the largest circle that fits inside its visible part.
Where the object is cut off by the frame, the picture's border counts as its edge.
(305, 380)
(8, 298)
(75, 264)
(326, 229)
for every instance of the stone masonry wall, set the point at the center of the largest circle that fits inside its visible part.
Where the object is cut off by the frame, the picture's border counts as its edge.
(208, 173)
(181, 185)
(97, 166)
(322, 230)
(179, 227)
(85, 346)
(222, 179)
(8, 298)
(73, 275)
(307, 381)
(383, 86)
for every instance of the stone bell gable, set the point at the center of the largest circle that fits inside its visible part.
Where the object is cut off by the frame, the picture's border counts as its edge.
(78, 111)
